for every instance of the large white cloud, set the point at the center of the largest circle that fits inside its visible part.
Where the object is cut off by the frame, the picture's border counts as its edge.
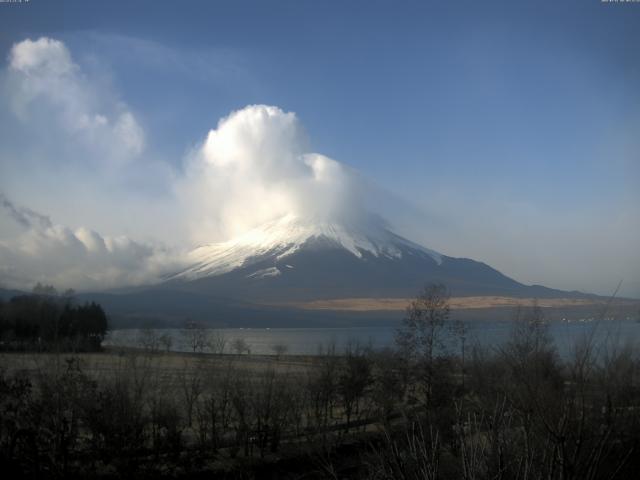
(50, 91)
(71, 147)
(256, 166)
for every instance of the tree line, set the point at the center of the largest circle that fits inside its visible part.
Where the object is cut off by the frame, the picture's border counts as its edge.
(47, 321)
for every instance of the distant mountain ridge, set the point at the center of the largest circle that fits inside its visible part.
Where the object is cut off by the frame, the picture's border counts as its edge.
(296, 259)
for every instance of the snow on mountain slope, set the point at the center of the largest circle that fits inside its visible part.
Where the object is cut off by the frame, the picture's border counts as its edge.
(283, 237)
(300, 259)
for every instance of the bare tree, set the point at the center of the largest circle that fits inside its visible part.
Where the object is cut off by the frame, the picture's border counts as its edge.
(279, 349)
(241, 346)
(389, 384)
(192, 388)
(166, 340)
(413, 455)
(242, 419)
(149, 339)
(353, 382)
(216, 342)
(461, 331)
(195, 335)
(423, 334)
(322, 390)
(215, 409)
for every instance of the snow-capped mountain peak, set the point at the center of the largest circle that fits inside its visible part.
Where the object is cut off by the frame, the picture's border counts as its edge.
(285, 236)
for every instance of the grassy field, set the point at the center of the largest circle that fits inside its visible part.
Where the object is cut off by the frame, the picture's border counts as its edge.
(170, 367)
(484, 302)
(127, 413)
(215, 412)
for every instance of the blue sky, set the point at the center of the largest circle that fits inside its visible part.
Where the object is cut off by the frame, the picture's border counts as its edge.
(511, 128)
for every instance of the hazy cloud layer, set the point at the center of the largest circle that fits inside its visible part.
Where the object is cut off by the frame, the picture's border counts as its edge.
(42, 251)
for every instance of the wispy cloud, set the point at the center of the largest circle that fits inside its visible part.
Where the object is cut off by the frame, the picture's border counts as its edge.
(207, 65)
(25, 217)
(50, 91)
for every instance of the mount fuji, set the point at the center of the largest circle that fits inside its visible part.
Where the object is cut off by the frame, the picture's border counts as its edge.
(301, 259)
(294, 270)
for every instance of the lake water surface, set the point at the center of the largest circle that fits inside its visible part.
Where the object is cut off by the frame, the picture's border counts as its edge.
(308, 341)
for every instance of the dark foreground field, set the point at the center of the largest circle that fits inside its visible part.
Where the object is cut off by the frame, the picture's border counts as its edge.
(414, 412)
